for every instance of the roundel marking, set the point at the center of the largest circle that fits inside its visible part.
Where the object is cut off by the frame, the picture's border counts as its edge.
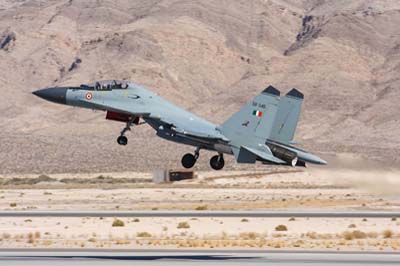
(88, 96)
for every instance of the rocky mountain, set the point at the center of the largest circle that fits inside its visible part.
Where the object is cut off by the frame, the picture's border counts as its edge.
(208, 56)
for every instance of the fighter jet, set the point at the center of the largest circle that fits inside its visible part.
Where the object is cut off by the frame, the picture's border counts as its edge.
(262, 130)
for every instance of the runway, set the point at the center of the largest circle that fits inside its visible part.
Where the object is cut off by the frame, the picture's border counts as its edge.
(254, 214)
(189, 257)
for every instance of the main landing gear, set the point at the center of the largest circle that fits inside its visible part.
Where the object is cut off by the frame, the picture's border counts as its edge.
(217, 162)
(122, 140)
(189, 160)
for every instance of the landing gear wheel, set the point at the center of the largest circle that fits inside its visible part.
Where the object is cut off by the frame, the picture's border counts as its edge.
(122, 140)
(217, 162)
(188, 160)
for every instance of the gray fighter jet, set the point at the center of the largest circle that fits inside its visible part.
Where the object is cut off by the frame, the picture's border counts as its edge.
(262, 130)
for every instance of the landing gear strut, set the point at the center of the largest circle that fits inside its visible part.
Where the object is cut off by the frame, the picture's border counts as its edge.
(122, 140)
(189, 160)
(217, 162)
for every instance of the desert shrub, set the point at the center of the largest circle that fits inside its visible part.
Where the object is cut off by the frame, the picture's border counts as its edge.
(47, 242)
(394, 219)
(249, 235)
(104, 180)
(357, 234)
(291, 219)
(28, 181)
(117, 223)
(347, 235)
(244, 220)
(201, 208)
(387, 233)
(183, 225)
(352, 226)
(13, 204)
(143, 234)
(281, 227)
(312, 235)
(136, 220)
(122, 242)
(298, 243)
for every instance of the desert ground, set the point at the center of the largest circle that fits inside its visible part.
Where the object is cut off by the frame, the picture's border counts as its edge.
(272, 233)
(305, 189)
(310, 189)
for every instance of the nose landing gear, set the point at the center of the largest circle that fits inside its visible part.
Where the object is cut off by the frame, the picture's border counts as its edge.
(122, 139)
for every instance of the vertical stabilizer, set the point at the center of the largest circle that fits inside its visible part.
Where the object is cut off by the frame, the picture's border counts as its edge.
(253, 124)
(288, 115)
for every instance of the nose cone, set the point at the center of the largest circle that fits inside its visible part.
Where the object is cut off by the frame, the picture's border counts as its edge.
(57, 95)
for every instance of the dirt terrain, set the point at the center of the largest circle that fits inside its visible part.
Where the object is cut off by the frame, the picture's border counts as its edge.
(203, 233)
(309, 190)
(208, 56)
(315, 189)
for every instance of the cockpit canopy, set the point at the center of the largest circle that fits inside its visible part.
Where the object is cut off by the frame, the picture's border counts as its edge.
(106, 85)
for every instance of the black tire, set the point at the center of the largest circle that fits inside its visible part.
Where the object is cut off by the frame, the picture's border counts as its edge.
(217, 162)
(188, 160)
(122, 140)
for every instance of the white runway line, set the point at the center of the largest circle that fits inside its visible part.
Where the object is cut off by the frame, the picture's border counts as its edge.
(160, 257)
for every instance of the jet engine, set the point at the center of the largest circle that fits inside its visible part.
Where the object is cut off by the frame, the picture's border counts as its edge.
(288, 156)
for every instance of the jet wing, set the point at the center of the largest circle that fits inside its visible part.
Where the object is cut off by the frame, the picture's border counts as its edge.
(202, 135)
(249, 155)
(194, 129)
(202, 132)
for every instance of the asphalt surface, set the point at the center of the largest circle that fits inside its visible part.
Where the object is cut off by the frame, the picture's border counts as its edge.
(255, 214)
(162, 257)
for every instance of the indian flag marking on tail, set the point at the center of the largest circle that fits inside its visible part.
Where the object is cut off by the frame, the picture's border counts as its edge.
(257, 113)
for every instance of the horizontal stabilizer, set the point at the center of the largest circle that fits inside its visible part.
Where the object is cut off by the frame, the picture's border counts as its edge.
(244, 156)
(264, 154)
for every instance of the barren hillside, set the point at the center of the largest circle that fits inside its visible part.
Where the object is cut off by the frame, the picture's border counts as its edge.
(208, 56)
